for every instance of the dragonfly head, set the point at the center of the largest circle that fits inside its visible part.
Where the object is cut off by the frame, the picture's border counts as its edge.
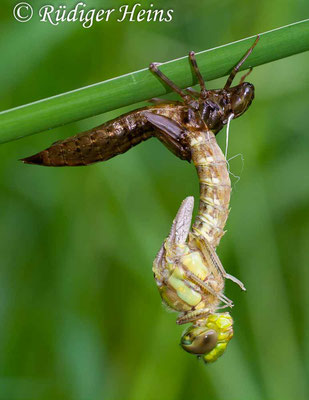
(241, 97)
(210, 338)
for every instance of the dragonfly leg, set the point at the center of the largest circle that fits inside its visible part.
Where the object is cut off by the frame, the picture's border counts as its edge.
(159, 100)
(206, 287)
(236, 68)
(210, 255)
(156, 100)
(235, 280)
(193, 92)
(192, 316)
(187, 98)
(221, 307)
(198, 74)
(245, 75)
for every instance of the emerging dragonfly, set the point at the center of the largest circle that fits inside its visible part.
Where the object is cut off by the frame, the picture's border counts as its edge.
(188, 272)
(190, 278)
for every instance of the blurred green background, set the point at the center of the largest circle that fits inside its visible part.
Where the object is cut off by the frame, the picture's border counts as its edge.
(80, 315)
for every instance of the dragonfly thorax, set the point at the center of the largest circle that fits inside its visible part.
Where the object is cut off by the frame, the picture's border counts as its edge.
(187, 283)
(219, 104)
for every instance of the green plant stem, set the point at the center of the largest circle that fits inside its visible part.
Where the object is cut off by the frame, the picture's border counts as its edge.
(142, 85)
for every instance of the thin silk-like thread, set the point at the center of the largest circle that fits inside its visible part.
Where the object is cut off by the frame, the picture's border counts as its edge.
(231, 116)
(237, 177)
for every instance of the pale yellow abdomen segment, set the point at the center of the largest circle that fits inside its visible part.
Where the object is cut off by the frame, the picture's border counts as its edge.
(215, 188)
(194, 263)
(178, 287)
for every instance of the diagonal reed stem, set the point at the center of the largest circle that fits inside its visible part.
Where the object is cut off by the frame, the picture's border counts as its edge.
(142, 85)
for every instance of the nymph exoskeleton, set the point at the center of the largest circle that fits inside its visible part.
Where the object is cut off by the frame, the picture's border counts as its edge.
(210, 109)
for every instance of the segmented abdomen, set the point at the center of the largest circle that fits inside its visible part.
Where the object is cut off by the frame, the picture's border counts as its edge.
(215, 187)
(108, 140)
(98, 144)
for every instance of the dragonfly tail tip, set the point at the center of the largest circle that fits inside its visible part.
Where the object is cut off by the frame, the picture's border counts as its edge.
(35, 159)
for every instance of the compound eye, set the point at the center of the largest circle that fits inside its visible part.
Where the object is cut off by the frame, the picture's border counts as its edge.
(238, 105)
(242, 98)
(201, 343)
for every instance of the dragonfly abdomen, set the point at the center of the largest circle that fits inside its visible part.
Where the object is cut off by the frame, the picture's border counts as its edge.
(215, 188)
(98, 144)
